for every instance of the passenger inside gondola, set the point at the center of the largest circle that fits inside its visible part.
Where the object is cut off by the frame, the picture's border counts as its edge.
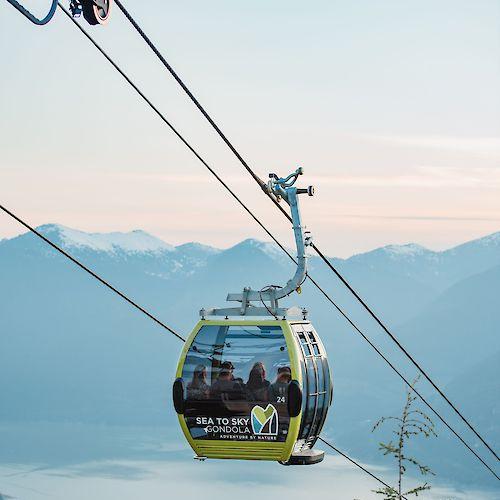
(226, 387)
(198, 388)
(257, 387)
(227, 365)
(279, 388)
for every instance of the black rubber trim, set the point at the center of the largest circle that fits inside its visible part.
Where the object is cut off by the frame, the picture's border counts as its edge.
(178, 395)
(294, 398)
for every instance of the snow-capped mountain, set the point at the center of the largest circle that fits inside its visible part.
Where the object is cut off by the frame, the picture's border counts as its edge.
(410, 250)
(194, 249)
(438, 270)
(398, 252)
(268, 248)
(142, 252)
(132, 242)
(489, 241)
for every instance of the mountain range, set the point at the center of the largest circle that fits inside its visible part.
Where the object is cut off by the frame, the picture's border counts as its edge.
(70, 350)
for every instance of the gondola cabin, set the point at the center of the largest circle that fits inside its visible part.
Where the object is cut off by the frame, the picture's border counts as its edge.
(253, 381)
(253, 390)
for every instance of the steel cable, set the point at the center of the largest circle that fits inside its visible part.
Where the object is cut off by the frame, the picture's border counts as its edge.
(262, 185)
(145, 312)
(92, 273)
(233, 194)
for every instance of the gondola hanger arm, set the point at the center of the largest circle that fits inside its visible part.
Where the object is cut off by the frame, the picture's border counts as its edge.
(283, 189)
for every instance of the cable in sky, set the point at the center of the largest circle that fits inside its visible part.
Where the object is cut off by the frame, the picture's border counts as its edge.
(191, 148)
(92, 273)
(263, 185)
(149, 315)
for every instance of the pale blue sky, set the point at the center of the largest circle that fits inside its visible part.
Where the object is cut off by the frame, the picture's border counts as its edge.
(393, 109)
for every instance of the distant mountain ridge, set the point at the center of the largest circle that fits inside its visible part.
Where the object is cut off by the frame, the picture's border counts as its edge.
(70, 350)
(410, 275)
(139, 241)
(398, 280)
(443, 267)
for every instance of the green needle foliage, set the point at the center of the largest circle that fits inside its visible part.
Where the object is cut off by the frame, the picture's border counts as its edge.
(412, 422)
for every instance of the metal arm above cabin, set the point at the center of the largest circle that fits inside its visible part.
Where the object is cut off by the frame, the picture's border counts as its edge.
(283, 189)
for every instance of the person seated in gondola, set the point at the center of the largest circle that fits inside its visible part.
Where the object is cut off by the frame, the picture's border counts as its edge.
(198, 387)
(227, 365)
(279, 389)
(257, 387)
(225, 387)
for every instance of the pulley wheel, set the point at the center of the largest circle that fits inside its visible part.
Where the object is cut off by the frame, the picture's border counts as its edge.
(96, 11)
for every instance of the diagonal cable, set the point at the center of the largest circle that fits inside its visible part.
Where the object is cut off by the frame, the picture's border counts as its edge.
(262, 185)
(149, 315)
(220, 180)
(92, 273)
(359, 466)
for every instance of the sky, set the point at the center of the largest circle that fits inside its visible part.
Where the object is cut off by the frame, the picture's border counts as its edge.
(392, 108)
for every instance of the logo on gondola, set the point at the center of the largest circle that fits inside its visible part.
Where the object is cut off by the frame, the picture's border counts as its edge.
(264, 420)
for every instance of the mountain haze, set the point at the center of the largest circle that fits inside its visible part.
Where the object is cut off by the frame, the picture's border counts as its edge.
(70, 350)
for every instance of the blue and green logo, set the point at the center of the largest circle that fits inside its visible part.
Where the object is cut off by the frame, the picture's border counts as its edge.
(264, 420)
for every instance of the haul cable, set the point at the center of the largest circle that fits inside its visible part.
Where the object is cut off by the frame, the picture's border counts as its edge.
(145, 312)
(263, 187)
(198, 156)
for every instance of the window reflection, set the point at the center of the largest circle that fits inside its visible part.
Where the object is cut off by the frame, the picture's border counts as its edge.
(257, 386)
(198, 387)
(237, 386)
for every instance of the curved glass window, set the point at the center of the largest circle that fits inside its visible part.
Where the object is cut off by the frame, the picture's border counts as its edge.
(316, 383)
(236, 383)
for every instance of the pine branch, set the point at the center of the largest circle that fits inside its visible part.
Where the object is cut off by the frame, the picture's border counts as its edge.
(413, 422)
(418, 489)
